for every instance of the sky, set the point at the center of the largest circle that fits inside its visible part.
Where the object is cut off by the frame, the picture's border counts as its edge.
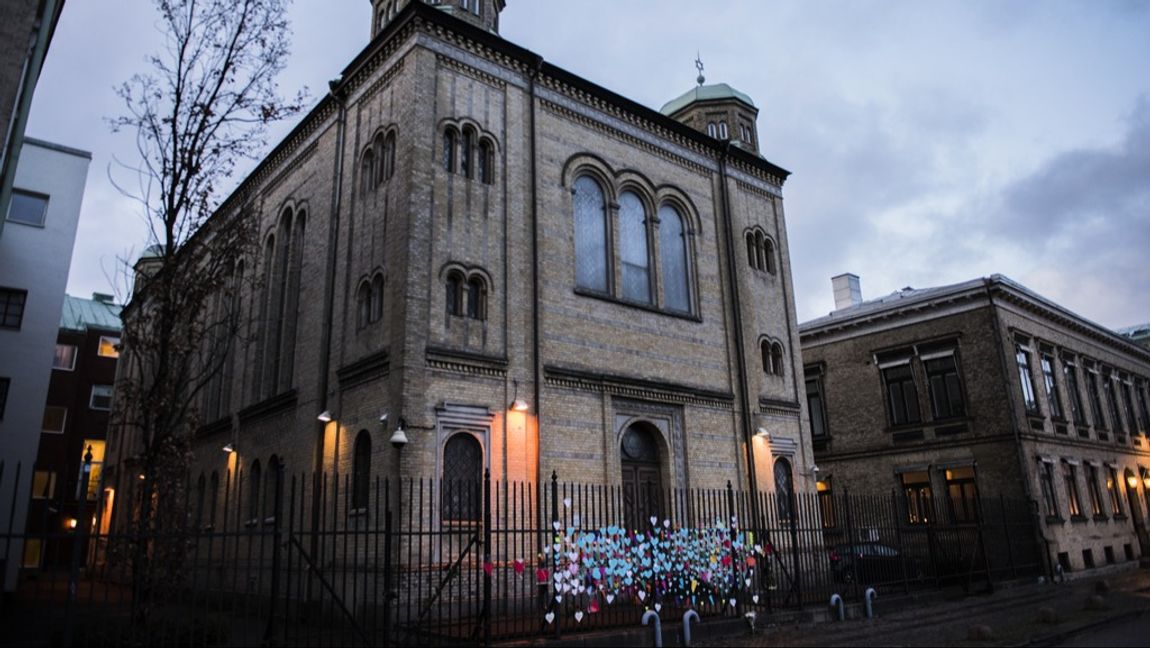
(929, 142)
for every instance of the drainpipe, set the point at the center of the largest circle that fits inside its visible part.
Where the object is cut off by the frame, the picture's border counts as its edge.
(737, 322)
(535, 326)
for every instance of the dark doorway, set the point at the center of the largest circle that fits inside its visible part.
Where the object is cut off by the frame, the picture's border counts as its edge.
(642, 476)
(1136, 516)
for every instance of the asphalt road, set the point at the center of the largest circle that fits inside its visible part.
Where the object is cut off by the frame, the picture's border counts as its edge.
(1132, 632)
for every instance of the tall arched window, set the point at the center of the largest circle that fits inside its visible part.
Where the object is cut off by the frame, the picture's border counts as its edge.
(765, 351)
(367, 171)
(673, 254)
(462, 474)
(712, 130)
(590, 235)
(486, 161)
(387, 164)
(363, 305)
(273, 488)
(467, 153)
(361, 471)
(760, 251)
(454, 295)
(769, 254)
(290, 318)
(476, 298)
(449, 137)
(752, 251)
(777, 359)
(255, 476)
(784, 489)
(723, 129)
(633, 255)
(376, 298)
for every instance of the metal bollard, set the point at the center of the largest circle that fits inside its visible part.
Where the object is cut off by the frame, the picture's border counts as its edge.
(651, 614)
(870, 595)
(838, 600)
(687, 625)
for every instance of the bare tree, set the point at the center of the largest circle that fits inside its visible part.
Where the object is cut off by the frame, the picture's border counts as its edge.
(203, 107)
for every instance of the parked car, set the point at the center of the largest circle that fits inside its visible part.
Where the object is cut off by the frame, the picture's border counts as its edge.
(871, 562)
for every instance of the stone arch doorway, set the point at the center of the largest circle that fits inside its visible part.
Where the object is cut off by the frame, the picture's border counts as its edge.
(642, 467)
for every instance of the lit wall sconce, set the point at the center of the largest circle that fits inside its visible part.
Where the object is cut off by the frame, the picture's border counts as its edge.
(141, 476)
(399, 437)
(325, 416)
(1146, 481)
(518, 404)
(229, 448)
(1132, 481)
(71, 523)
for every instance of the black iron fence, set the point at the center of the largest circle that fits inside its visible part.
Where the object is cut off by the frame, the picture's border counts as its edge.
(316, 560)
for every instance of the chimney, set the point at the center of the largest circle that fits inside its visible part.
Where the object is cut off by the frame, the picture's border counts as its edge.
(847, 290)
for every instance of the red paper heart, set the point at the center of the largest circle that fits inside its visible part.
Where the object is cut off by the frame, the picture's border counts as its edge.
(541, 575)
(518, 567)
(594, 607)
(488, 568)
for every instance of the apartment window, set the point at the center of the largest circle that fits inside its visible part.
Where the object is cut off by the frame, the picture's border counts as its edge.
(962, 494)
(96, 447)
(1108, 387)
(54, 418)
(1046, 480)
(917, 497)
(109, 347)
(1070, 370)
(28, 208)
(1112, 487)
(1095, 399)
(4, 384)
(944, 385)
(826, 502)
(902, 396)
(43, 484)
(1022, 358)
(101, 397)
(33, 550)
(1070, 479)
(1051, 384)
(65, 358)
(1093, 489)
(12, 307)
(815, 407)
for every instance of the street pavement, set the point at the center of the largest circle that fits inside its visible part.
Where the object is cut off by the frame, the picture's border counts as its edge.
(1131, 632)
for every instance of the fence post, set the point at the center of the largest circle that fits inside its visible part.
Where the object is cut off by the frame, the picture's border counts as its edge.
(277, 556)
(897, 520)
(487, 564)
(982, 545)
(734, 533)
(77, 545)
(1006, 536)
(851, 538)
(554, 558)
(792, 503)
(388, 589)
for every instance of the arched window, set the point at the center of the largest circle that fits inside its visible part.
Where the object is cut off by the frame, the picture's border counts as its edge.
(363, 305)
(449, 137)
(213, 498)
(367, 171)
(634, 258)
(201, 496)
(723, 129)
(673, 254)
(486, 161)
(476, 298)
(273, 488)
(712, 130)
(752, 251)
(376, 298)
(294, 267)
(454, 293)
(590, 235)
(769, 255)
(784, 489)
(467, 153)
(765, 351)
(462, 473)
(255, 476)
(777, 359)
(361, 471)
(760, 251)
(387, 164)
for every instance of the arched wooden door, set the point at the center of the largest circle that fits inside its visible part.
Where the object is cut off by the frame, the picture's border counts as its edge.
(642, 476)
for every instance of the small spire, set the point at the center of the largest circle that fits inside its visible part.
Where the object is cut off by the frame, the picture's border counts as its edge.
(699, 66)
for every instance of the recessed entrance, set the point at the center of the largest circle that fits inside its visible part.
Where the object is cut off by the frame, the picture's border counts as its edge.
(642, 475)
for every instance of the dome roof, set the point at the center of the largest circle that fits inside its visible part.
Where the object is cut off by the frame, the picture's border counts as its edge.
(712, 92)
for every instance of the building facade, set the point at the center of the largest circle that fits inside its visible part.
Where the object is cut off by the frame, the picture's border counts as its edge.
(524, 272)
(75, 429)
(984, 389)
(35, 253)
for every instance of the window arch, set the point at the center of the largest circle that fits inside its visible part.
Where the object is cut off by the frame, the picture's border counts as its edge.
(467, 153)
(590, 235)
(454, 297)
(476, 298)
(769, 255)
(486, 162)
(784, 489)
(462, 471)
(376, 299)
(634, 255)
(765, 351)
(760, 250)
(777, 359)
(361, 471)
(363, 304)
(450, 136)
(273, 487)
(255, 476)
(387, 163)
(712, 130)
(723, 129)
(752, 251)
(673, 255)
(367, 171)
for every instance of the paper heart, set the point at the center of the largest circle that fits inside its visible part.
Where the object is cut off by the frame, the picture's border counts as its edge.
(658, 607)
(654, 520)
(578, 616)
(558, 599)
(747, 582)
(666, 524)
(642, 594)
(610, 599)
(540, 575)
(567, 502)
(518, 566)
(547, 550)
(555, 524)
(755, 598)
(488, 568)
(732, 601)
(558, 576)
(550, 616)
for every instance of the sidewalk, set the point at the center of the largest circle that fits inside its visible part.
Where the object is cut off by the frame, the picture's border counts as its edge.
(1029, 614)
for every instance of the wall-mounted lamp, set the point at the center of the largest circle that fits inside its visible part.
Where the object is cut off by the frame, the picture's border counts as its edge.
(814, 471)
(399, 437)
(518, 404)
(1132, 481)
(71, 523)
(762, 432)
(1146, 481)
(141, 476)
(383, 418)
(325, 416)
(229, 448)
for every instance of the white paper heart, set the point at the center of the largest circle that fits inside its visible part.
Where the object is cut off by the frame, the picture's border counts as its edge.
(732, 602)
(747, 582)
(642, 595)
(550, 616)
(610, 598)
(658, 607)
(575, 519)
(546, 550)
(555, 525)
(666, 524)
(558, 599)
(567, 502)
(755, 598)
(578, 616)
(759, 549)
(654, 520)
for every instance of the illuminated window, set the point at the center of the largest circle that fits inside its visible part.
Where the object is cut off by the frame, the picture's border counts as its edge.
(826, 502)
(962, 494)
(96, 447)
(109, 347)
(1112, 487)
(54, 419)
(43, 484)
(33, 548)
(1092, 488)
(917, 497)
(65, 357)
(1070, 479)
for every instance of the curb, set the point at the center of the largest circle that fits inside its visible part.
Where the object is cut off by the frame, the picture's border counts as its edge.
(1056, 637)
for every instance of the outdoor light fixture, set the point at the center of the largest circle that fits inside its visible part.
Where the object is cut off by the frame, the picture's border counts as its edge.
(72, 523)
(762, 432)
(1132, 481)
(1146, 481)
(399, 437)
(229, 448)
(383, 418)
(518, 404)
(141, 476)
(325, 416)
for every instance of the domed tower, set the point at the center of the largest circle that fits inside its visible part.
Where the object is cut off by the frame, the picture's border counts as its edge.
(719, 111)
(481, 13)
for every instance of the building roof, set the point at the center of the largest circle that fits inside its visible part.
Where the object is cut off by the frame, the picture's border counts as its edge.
(712, 92)
(896, 299)
(1136, 331)
(80, 314)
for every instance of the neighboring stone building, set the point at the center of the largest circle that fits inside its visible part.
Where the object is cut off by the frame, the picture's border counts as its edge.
(1139, 333)
(526, 271)
(984, 388)
(75, 424)
(35, 253)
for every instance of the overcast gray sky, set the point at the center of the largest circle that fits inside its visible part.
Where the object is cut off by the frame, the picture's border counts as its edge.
(930, 142)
